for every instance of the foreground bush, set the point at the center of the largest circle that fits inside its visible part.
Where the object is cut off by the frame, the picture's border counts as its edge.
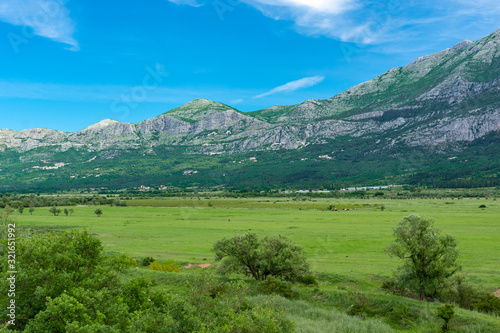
(65, 283)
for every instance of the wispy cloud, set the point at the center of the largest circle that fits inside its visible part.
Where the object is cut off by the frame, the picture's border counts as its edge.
(47, 18)
(376, 22)
(294, 85)
(338, 19)
(82, 93)
(192, 3)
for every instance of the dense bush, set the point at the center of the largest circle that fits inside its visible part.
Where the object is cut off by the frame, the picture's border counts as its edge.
(274, 256)
(274, 286)
(359, 306)
(147, 260)
(58, 271)
(400, 315)
(471, 297)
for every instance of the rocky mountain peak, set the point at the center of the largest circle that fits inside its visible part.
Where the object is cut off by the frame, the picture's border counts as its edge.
(102, 124)
(462, 45)
(198, 109)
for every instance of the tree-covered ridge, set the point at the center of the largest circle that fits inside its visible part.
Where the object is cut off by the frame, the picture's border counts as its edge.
(432, 122)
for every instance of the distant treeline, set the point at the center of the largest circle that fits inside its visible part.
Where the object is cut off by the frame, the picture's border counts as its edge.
(118, 198)
(32, 200)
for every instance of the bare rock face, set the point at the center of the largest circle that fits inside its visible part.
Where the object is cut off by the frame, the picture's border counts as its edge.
(448, 97)
(30, 139)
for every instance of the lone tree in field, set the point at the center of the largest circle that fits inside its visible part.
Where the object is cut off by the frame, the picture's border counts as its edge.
(32, 209)
(20, 209)
(54, 210)
(430, 260)
(274, 256)
(98, 212)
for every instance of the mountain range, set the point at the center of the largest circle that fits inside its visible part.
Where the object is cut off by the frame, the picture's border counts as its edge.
(440, 113)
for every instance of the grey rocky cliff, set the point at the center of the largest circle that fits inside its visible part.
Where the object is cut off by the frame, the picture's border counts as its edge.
(451, 96)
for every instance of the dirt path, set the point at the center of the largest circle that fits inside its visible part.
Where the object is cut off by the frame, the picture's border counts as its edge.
(206, 265)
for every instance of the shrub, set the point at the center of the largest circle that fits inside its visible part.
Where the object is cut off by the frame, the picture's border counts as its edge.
(446, 312)
(274, 286)
(472, 297)
(147, 260)
(308, 279)
(488, 303)
(224, 307)
(120, 203)
(169, 266)
(358, 308)
(400, 314)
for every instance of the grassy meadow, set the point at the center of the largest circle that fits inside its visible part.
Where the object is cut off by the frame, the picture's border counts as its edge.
(350, 243)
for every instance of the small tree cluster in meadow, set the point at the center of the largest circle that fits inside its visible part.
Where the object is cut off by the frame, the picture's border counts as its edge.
(54, 210)
(274, 256)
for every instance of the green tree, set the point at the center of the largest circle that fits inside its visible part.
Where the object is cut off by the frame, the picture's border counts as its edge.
(66, 211)
(274, 256)
(71, 211)
(430, 260)
(98, 212)
(54, 210)
(20, 209)
(31, 210)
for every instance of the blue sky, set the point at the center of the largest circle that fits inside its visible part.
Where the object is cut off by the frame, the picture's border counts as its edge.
(68, 64)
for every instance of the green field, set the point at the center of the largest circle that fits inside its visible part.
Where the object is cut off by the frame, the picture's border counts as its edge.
(349, 243)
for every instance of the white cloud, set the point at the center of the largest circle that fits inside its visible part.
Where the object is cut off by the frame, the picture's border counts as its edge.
(294, 85)
(377, 22)
(332, 18)
(192, 3)
(47, 18)
(324, 6)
